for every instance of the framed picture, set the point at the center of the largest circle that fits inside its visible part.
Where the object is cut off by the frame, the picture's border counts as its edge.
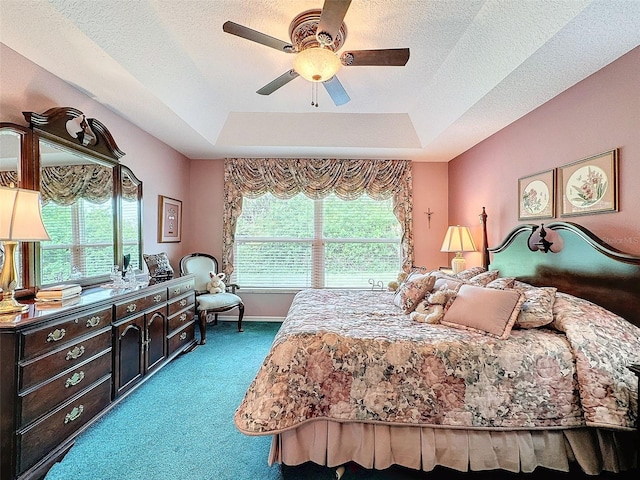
(590, 185)
(170, 219)
(536, 196)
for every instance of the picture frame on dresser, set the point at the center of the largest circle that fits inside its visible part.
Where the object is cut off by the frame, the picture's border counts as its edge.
(170, 219)
(536, 195)
(590, 185)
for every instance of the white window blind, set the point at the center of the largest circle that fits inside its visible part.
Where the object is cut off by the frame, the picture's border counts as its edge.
(81, 240)
(300, 243)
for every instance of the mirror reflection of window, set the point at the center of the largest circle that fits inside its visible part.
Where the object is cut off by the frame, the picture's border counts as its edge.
(131, 219)
(78, 212)
(10, 152)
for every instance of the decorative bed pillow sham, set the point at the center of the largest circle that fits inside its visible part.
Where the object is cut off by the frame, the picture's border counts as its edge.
(484, 310)
(412, 291)
(537, 309)
(502, 283)
(482, 279)
(470, 273)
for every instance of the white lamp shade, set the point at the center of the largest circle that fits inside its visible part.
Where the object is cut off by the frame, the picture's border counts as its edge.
(20, 216)
(458, 239)
(316, 64)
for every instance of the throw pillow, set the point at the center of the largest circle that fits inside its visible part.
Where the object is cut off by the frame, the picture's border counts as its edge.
(412, 291)
(158, 265)
(484, 310)
(537, 309)
(470, 272)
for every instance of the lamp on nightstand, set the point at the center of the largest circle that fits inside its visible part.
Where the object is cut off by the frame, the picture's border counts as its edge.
(20, 221)
(458, 239)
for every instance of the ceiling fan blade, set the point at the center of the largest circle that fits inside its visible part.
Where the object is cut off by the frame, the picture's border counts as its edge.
(336, 91)
(386, 57)
(332, 15)
(274, 85)
(258, 37)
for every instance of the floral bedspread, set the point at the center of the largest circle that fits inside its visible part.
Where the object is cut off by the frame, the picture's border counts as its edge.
(353, 356)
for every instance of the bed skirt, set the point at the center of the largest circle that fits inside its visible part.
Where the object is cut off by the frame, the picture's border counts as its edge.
(381, 446)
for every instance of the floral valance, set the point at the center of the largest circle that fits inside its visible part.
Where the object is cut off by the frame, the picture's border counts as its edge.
(64, 184)
(317, 178)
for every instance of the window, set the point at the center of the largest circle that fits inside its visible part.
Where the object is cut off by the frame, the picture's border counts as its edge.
(300, 242)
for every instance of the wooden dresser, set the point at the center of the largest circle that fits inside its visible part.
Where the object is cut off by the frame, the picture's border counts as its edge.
(61, 369)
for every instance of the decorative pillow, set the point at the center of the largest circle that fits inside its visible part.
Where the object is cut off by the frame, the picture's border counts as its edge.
(482, 279)
(484, 310)
(451, 283)
(470, 272)
(537, 309)
(412, 291)
(158, 265)
(502, 283)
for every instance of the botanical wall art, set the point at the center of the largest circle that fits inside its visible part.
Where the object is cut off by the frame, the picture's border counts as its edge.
(536, 196)
(170, 219)
(590, 185)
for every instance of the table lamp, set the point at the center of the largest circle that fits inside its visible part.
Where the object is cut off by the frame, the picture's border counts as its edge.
(20, 221)
(458, 239)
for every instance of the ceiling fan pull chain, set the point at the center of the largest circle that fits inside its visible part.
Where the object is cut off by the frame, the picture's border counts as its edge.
(314, 94)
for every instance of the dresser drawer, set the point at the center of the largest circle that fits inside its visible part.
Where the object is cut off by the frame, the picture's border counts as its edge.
(180, 303)
(43, 368)
(48, 396)
(40, 438)
(37, 342)
(181, 288)
(180, 319)
(181, 338)
(136, 305)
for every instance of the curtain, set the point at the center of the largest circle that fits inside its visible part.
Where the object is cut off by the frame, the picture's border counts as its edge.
(65, 184)
(317, 178)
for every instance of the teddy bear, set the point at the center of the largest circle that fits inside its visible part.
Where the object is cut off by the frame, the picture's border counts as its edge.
(432, 308)
(395, 284)
(216, 284)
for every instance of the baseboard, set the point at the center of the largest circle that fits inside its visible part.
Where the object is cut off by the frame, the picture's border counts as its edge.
(232, 318)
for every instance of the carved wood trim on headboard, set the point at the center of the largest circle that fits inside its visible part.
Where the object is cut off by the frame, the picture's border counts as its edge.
(586, 267)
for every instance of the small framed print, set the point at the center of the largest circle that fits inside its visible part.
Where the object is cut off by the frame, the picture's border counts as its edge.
(170, 219)
(590, 185)
(536, 196)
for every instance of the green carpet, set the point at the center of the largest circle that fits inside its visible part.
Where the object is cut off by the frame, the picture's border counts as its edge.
(179, 425)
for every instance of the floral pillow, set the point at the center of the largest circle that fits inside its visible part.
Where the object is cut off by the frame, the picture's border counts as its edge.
(470, 273)
(484, 310)
(482, 279)
(537, 309)
(412, 291)
(158, 265)
(502, 283)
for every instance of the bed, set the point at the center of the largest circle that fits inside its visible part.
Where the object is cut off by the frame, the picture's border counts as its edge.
(352, 377)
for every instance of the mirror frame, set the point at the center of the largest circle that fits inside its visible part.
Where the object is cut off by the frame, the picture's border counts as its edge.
(96, 143)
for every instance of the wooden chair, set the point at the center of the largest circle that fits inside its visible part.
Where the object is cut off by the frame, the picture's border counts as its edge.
(200, 264)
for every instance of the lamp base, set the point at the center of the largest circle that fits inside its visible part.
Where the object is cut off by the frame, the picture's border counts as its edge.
(458, 263)
(8, 304)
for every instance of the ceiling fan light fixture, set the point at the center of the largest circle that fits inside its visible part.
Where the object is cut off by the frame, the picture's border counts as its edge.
(316, 64)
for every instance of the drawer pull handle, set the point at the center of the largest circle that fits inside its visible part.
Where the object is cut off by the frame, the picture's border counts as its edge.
(74, 414)
(75, 353)
(183, 302)
(74, 379)
(131, 307)
(183, 317)
(93, 321)
(57, 334)
(176, 291)
(183, 335)
(157, 298)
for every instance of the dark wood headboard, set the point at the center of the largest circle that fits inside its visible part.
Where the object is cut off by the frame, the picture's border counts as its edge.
(585, 267)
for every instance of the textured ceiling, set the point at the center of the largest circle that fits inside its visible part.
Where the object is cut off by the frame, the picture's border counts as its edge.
(475, 67)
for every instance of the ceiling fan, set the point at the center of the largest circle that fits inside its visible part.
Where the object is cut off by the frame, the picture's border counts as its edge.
(316, 36)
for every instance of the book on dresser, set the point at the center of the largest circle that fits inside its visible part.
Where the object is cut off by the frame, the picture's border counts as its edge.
(58, 292)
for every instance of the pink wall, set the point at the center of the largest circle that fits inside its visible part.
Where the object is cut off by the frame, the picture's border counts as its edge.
(163, 171)
(598, 114)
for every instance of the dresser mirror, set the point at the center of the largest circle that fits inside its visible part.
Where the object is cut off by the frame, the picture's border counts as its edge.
(91, 204)
(15, 145)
